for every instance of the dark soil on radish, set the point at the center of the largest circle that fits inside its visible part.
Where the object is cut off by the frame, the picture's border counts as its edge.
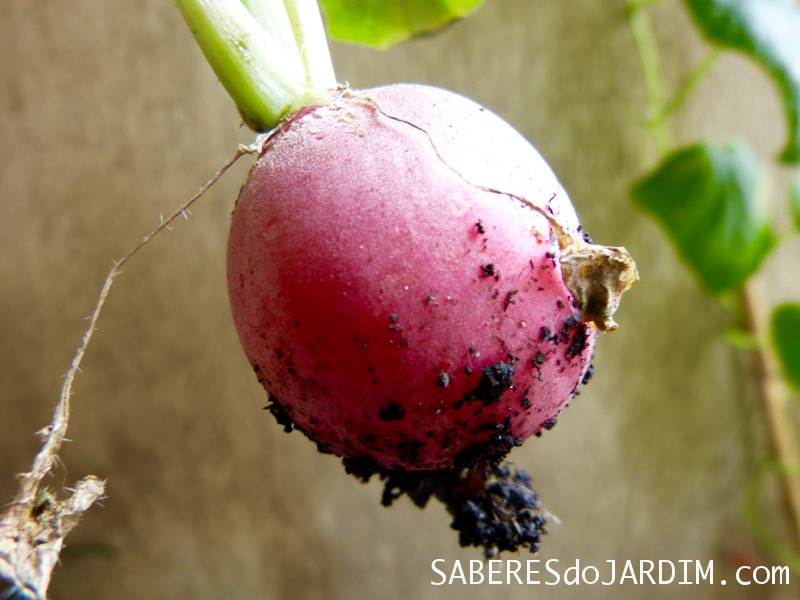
(404, 307)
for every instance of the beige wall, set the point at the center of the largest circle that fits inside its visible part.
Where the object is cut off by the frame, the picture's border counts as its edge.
(109, 117)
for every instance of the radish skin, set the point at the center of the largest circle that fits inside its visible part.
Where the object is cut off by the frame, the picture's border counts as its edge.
(394, 289)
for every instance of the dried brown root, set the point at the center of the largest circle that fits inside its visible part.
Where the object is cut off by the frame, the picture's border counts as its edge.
(33, 529)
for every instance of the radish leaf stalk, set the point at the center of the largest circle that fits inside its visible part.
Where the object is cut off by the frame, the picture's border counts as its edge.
(309, 35)
(267, 73)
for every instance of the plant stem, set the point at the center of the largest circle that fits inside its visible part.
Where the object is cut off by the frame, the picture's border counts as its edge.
(310, 38)
(771, 386)
(775, 401)
(651, 67)
(663, 113)
(274, 19)
(272, 61)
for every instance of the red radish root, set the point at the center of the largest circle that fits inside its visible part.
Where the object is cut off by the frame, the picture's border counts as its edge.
(395, 292)
(414, 291)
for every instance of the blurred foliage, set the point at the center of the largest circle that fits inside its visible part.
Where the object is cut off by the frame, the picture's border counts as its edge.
(705, 197)
(384, 23)
(786, 337)
(767, 31)
(794, 203)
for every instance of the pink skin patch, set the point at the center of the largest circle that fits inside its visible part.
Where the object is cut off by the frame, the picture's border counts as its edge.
(395, 296)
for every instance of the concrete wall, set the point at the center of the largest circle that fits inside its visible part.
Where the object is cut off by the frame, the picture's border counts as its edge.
(109, 117)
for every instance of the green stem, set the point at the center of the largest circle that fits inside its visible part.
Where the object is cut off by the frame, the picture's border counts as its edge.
(651, 67)
(775, 401)
(642, 4)
(310, 38)
(269, 60)
(274, 19)
(669, 108)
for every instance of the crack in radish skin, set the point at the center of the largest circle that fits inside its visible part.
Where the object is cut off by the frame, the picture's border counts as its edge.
(596, 275)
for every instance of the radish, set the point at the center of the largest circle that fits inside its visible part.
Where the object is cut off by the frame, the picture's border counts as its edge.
(408, 278)
(391, 302)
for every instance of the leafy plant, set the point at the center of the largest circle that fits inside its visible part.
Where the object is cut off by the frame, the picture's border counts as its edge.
(711, 202)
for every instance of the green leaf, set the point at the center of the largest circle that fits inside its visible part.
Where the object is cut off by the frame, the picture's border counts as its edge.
(769, 32)
(705, 197)
(794, 202)
(384, 23)
(739, 338)
(786, 339)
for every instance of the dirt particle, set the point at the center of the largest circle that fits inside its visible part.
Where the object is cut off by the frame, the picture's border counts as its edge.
(546, 335)
(488, 270)
(495, 380)
(493, 507)
(410, 450)
(280, 414)
(579, 343)
(588, 374)
(392, 412)
(492, 450)
(570, 325)
(509, 299)
(361, 467)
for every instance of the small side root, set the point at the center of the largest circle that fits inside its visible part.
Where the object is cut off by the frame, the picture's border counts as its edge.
(33, 528)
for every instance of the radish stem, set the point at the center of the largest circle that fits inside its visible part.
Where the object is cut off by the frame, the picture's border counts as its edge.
(311, 41)
(272, 16)
(271, 57)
